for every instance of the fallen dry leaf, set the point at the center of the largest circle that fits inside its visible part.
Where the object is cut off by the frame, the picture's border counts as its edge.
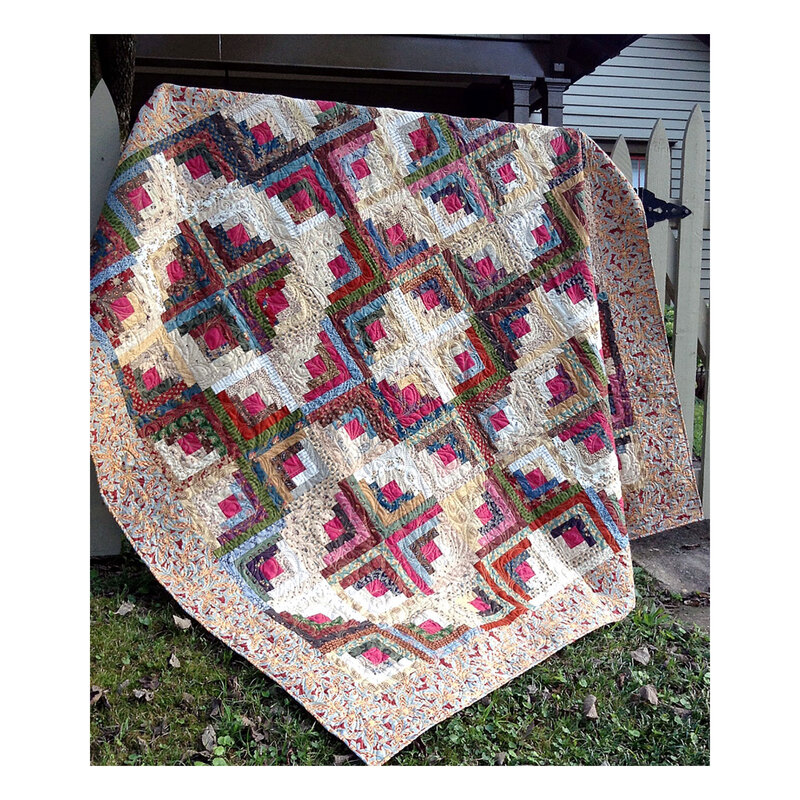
(174, 661)
(234, 689)
(209, 738)
(97, 695)
(143, 694)
(641, 655)
(698, 599)
(254, 732)
(125, 608)
(590, 707)
(647, 694)
(151, 682)
(181, 622)
(109, 732)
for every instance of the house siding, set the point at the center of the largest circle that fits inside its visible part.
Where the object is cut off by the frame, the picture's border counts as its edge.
(659, 76)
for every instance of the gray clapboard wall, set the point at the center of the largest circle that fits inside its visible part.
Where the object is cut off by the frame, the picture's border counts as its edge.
(658, 76)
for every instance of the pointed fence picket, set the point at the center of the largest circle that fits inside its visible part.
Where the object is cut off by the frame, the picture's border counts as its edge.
(105, 535)
(677, 262)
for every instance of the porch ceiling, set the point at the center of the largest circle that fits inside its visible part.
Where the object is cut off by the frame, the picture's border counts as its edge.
(468, 74)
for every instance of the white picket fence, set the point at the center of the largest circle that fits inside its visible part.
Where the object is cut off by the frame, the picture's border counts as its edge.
(677, 263)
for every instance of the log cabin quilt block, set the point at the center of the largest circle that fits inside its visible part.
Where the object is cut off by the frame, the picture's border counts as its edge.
(380, 396)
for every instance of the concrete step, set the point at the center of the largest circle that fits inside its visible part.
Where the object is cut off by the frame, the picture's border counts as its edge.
(680, 560)
(105, 537)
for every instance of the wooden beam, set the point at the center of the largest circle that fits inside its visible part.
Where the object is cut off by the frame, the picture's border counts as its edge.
(376, 54)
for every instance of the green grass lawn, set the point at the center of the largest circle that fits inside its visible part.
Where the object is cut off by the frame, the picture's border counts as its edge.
(156, 689)
(697, 444)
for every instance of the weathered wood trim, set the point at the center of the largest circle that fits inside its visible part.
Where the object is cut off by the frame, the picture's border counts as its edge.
(657, 180)
(690, 251)
(104, 148)
(621, 156)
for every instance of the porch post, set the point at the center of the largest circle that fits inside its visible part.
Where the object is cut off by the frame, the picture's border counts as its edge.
(521, 99)
(553, 109)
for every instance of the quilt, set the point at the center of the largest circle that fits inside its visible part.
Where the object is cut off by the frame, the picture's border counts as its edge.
(380, 396)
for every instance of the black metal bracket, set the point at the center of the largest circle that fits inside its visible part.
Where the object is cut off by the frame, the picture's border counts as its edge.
(656, 210)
